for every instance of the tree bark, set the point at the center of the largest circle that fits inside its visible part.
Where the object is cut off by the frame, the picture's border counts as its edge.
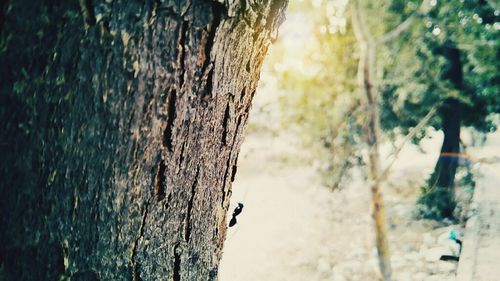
(121, 127)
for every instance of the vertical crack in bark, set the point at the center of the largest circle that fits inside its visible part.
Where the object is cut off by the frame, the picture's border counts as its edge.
(225, 124)
(257, 33)
(2, 14)
(243, 93)
(228, 164)
(160, 181)
(217, 10)
(177, 264)
(238, 124)
(167, 134)
(181, 157)
(153, 12)
(208, 88)
(251, 95)
(190, 205)
(182, 59)
(136, 274)
(235, 168)
(88, 12)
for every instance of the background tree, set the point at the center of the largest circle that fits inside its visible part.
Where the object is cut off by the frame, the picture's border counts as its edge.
(361, 61)
(449, 58)
(442, 54)
(121, 126)
(367, 63)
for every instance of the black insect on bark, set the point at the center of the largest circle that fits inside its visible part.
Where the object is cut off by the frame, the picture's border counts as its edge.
(236, 212)
(114, 165)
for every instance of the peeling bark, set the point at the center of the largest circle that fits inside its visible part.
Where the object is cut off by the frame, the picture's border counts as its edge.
(122, 122)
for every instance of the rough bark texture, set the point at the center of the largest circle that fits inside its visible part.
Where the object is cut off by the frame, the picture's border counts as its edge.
(121, 126)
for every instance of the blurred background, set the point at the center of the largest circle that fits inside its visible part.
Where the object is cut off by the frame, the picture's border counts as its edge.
(434, 91)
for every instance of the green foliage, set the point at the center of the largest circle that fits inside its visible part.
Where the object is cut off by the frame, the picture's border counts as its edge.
(465, 178)
(415, 76)
(323, 101)
(451, 53)
(438, 203)
(435, 204)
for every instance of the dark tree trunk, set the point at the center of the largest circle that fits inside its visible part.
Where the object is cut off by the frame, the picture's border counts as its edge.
(440, 197)
(440, 194)
(121, 126)
(448, 159)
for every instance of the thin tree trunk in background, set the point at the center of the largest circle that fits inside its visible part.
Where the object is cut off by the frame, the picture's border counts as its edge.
(366, 78)
(121, 126)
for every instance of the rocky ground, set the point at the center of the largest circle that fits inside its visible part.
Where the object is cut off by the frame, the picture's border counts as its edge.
(292, 228)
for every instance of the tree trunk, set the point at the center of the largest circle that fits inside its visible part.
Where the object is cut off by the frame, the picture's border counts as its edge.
(439, 200)
(121, 126)
(448, 160)
(367, 80)
(441, 182)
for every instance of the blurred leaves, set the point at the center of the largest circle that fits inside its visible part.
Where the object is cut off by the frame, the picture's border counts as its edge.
(315, 61)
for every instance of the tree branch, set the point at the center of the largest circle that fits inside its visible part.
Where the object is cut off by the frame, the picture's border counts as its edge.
(396, 31)
(402, 27)
(360, 27)
(365, 41)
(408, 137)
